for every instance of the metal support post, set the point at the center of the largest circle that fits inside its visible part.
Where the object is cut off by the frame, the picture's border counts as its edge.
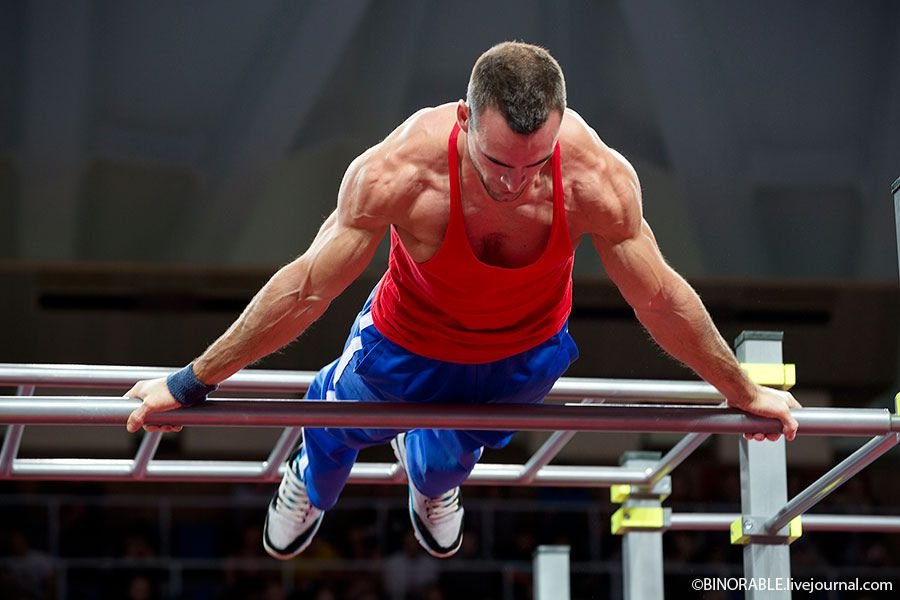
(551, 573)
(763, 479)
(641, 519)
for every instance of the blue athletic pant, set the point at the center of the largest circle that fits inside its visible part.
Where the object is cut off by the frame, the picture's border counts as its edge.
(374, 369)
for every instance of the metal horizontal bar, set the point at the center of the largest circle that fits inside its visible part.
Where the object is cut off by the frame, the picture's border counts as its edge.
(247, 471)
(145, 453)
(257, 380)
(62, 410)
(823, 522)
(546, 453)
(831, 481)
(11, 442)
(678, 454)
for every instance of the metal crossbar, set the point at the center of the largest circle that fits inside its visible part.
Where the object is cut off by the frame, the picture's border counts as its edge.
(697, 419)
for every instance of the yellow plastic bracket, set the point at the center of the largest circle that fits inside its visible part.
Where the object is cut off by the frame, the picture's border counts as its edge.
(619, 493)
(740, 538)
(777, 375)
(897, 404)
(795, 530)
(737, 533)
(638, 517)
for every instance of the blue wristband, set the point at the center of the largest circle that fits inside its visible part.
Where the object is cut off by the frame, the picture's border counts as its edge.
(186, 388)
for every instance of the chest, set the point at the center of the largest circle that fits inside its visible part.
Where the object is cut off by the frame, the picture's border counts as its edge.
(509, 235)
(506, 236)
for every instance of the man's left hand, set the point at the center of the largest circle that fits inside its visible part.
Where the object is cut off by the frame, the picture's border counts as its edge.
(772, 403)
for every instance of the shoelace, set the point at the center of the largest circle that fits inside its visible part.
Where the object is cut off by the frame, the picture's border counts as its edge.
(294, 499)
(442, 507)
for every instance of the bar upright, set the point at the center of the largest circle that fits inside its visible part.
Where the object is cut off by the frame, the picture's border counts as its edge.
(763, 478)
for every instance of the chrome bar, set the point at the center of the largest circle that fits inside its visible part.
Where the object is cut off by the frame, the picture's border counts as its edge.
(11, 442)
(567, 388)
(872, 523)
(674, 457)
(250, 471)
(13, 438)
(831, 480)
(286, 442)
(704, 521)
(546, 453)
(145, 453)
(723, 521)
(638, 418)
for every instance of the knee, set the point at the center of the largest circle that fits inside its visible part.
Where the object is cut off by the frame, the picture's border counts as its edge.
(435, 473)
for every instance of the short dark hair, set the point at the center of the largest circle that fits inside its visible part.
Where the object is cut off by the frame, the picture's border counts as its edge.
(520, 80)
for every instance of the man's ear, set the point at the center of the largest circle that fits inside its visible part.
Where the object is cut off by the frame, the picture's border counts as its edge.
(463, 116)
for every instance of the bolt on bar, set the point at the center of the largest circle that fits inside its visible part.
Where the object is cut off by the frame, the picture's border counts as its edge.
(568, 388)
(832, 480)
(60, 410)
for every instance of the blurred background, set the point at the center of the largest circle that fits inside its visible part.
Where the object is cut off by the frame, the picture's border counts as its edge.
(160, 160)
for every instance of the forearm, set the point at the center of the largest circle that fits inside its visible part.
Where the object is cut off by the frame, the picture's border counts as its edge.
(681, 325)
(277, 315)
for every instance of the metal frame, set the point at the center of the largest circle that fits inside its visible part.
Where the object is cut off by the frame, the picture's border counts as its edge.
(763, 490)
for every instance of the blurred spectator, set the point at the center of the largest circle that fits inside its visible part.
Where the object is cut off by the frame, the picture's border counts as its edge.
(31, 572)
(409, 572)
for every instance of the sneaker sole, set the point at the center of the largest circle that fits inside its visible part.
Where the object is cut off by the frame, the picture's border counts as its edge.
(419, 538)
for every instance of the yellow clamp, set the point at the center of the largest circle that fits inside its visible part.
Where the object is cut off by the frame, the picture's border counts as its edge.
(621, 492)
(638, 517)
(740, 538)
(777, 375)
(897, 403)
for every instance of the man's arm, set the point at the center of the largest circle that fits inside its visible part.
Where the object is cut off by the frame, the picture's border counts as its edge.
(669, 308)
(295, 296)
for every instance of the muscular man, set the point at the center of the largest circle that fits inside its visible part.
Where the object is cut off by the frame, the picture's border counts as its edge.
(485, 200)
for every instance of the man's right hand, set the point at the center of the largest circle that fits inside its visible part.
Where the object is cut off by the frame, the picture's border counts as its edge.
(155, 397)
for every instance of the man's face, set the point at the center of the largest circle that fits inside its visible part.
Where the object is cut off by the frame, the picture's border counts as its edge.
(507, 161)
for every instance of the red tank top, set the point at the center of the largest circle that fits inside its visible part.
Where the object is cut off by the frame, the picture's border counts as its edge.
(455, 308)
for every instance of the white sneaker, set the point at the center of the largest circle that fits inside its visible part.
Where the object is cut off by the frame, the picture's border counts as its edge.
(292, 521)
(437, 522)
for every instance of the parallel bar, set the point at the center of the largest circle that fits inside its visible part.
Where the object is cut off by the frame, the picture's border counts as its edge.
(246, 471)
(61, 410)
(13, 438)
(832, 480)
(145, 453)
(674, 457)
(11, 442)
(569, 388)
(723, 521)
(286, 442)
(546, 453)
